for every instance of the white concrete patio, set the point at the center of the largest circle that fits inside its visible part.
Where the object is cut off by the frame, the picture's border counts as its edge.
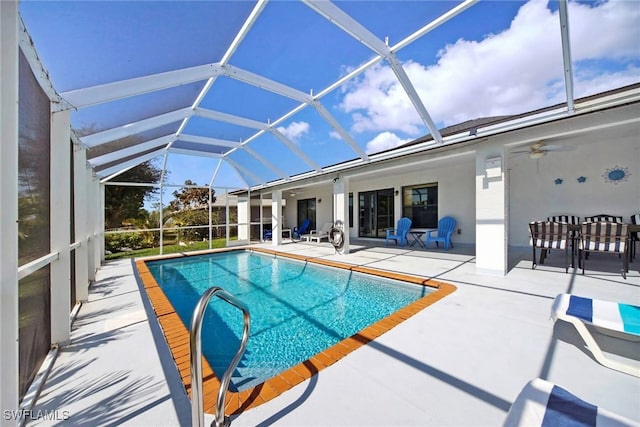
(460, 362)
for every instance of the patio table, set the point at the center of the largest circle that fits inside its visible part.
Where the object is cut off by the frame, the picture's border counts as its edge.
(417, 238)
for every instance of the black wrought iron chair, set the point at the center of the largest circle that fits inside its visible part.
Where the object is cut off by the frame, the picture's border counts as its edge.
(548, 235)
(603, 218)
(634, 236)
(606, 237)
(572, 220)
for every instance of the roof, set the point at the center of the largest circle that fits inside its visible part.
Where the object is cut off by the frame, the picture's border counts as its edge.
(256, 93)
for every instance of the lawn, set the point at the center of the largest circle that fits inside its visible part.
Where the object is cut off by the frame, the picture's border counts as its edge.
(168, 249)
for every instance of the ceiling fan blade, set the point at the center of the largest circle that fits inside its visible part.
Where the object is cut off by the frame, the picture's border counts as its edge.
(557, 148)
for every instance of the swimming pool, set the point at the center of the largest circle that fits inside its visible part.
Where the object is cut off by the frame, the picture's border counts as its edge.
(304, 316)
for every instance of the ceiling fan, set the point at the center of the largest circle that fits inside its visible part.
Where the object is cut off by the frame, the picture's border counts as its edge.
(540, 149)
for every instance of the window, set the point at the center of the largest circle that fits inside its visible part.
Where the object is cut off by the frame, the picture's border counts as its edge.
(420, 203)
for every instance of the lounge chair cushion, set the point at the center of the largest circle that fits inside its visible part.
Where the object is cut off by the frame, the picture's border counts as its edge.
(623, 320)
(605, 314)
(542, 403)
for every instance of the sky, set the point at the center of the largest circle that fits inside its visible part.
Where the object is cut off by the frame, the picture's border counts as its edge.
(496, 58)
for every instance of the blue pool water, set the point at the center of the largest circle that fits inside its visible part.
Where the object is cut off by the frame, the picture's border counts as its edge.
(297, 309)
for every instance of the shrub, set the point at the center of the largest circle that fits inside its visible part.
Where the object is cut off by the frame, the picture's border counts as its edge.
(114, 242)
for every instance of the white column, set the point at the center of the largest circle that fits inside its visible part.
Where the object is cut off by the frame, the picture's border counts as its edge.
(60, 214)
(341, 208)
(244, 217)
(276, 217)
(101, 205)
(80, 213)
(491, 212)
(9, 211)
(91, 220)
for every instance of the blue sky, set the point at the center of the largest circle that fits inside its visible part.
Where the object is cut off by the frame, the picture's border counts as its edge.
(498, 57)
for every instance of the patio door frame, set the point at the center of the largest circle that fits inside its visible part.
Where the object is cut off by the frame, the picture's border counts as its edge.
(307, 210)
(376, 212)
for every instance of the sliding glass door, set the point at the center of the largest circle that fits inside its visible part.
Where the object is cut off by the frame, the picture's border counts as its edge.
(307, 210)
(376, 213)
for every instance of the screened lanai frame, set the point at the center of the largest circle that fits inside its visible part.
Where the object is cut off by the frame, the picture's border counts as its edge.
(167, 133)
(254, 168)
(88, 191)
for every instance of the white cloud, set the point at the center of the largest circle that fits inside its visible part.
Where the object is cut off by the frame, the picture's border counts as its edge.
(295, 130)
(517, 70)
(384, 141)
(335, 135)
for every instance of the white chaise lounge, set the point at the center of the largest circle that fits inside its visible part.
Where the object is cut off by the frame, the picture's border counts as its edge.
(622, 319)
(541, 403)
(318, 235)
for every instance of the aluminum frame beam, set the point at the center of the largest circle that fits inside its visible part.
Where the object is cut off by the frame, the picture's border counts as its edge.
(253, 16)
(411, 92)
(295, 149)
(239, 168)
(264, 83)
(563, 13)
(207, 141)
(265, 162)
(130, 163)
(230, 118)
(129, 151)
(341, 131)
(364, 36)
(99, 94)
(349, 25)
(326, 9)
(194, 153)
(124, 131)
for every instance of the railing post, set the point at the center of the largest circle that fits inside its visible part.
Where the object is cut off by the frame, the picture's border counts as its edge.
(195, 346)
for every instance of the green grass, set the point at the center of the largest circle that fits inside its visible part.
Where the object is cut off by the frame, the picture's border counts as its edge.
(168, 249)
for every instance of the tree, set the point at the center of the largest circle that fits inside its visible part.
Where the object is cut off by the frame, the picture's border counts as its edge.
(124, 203)
(191, 208)
(190, 198)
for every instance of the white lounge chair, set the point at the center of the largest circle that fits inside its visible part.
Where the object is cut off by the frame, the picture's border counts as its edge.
(541, 403)
(622, 319)
(318, 235)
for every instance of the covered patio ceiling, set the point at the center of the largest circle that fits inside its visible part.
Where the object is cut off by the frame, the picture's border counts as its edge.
(258, 94)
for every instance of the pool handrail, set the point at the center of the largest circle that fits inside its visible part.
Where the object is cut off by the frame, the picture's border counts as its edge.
(195, 346)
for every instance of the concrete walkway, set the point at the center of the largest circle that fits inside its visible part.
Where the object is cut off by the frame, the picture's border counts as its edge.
(460, 362)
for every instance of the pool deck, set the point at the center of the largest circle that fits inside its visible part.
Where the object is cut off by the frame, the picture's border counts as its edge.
(461, 361)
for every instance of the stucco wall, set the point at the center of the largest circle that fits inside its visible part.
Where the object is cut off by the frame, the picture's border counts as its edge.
(456, 193)
(534, 195)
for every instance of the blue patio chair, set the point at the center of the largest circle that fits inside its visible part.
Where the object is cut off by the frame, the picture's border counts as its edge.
(443, 234)
(399, 234)
(297, 232)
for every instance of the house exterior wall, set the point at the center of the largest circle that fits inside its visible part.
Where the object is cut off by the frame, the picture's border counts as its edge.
(456, 192)
(324, 209)
(534, 194)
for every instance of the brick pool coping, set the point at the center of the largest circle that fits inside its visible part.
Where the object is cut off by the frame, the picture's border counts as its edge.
(177, 334)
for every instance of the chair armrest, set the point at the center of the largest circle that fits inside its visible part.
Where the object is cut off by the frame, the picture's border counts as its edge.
(429, 232)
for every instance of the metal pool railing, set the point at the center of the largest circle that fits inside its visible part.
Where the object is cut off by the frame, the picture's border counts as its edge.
(195, 345)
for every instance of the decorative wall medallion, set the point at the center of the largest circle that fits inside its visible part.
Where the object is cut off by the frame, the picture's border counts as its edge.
(616, 174)
(582, 179)
(558, 181)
